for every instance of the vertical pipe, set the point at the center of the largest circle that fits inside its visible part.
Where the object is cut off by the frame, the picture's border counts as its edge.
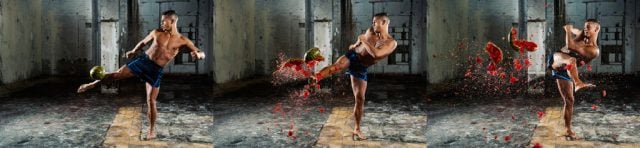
(309, 23)
(411, 15)
(96, 31)
(197, 34)
(522, 18)
(624, 15)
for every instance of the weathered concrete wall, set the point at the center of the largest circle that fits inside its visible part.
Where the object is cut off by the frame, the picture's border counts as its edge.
(445, 29)
(234, 40)
(21, 51)
(613, 20)
(68, 37)
(194, 22)
(407, 26)
(280, 27)
(455, 24)
(633, 7)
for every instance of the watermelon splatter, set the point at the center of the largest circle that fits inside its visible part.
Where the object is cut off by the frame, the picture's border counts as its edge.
(594, 106)
(495, 53)
(537, 145)
(520, 45)
(526, 45)
(513, 80)
(540, 115)
(507, 138)
(492, 70)
(292, 70)
(517, 65)
(527, 63)
(568, 67)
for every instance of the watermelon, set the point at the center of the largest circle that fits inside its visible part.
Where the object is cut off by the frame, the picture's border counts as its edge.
(520, 44)
(313, 54)
(97, 73)
(495, 53)
(529, 46)
(512, 38)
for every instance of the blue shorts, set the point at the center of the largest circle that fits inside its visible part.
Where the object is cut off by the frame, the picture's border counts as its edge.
(356, 68)
(146, 70)
(557, 74)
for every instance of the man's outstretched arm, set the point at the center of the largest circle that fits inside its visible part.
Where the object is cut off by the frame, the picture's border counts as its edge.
(195, 52)
(140, 45)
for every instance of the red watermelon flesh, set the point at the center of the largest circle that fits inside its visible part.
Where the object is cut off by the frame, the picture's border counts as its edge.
(495, 53)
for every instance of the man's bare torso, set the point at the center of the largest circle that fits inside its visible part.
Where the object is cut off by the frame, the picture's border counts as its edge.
(165, 46)
(364, 56)
(590, 49)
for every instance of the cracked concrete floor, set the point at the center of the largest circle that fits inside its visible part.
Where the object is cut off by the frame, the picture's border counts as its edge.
(53, 115)
(250, 117)
(484, 119)
(262, 115)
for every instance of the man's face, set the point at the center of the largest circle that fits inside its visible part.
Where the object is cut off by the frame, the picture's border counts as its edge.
(167, 22)
(591, 29)
(379, 23)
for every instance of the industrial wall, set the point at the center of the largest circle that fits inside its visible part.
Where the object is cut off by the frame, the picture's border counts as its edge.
(21, 37)
(194, 22)
(234, 40)
(407, 26)
(280, 27)
(617, 39)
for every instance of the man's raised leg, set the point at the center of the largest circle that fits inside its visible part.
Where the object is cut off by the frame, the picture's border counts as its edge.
(359, 89)
(121, 73)
(152, 112)
(573, 72)
(341, 64)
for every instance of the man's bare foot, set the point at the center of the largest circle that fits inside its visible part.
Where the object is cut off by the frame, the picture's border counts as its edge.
(358, 135)
(571, 135)
(85, 87)
(151, 135)
(582, 86)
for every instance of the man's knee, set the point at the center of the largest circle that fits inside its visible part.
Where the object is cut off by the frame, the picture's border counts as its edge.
(569, 100)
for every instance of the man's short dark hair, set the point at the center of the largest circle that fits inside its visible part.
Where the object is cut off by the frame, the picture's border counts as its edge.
(381, 14)
(592, 20)
(170, 13)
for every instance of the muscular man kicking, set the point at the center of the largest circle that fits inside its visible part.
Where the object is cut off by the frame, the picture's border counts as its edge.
(165, 44)
(564, 64)
(372, 46)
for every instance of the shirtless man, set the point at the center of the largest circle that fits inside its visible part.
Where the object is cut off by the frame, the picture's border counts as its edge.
(165, 44)
(564, 64)
(371, 47)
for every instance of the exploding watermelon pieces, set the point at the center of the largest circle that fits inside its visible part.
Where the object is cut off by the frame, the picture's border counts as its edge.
(495, 53)
(304, 66)
(520, 45)
(495, 56)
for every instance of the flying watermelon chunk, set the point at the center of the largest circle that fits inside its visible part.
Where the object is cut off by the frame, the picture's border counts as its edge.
(495, 53)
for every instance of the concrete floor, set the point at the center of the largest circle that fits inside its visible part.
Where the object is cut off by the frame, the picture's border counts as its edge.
(263, 115)
(499, 120)
(394, 115)
(53, 115)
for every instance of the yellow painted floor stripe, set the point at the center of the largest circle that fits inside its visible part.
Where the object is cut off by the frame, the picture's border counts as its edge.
(550, 133)
(125, 131)
(337, 133)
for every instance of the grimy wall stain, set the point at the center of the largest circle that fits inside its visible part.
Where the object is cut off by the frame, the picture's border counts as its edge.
(20, 38)
(234, 40)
